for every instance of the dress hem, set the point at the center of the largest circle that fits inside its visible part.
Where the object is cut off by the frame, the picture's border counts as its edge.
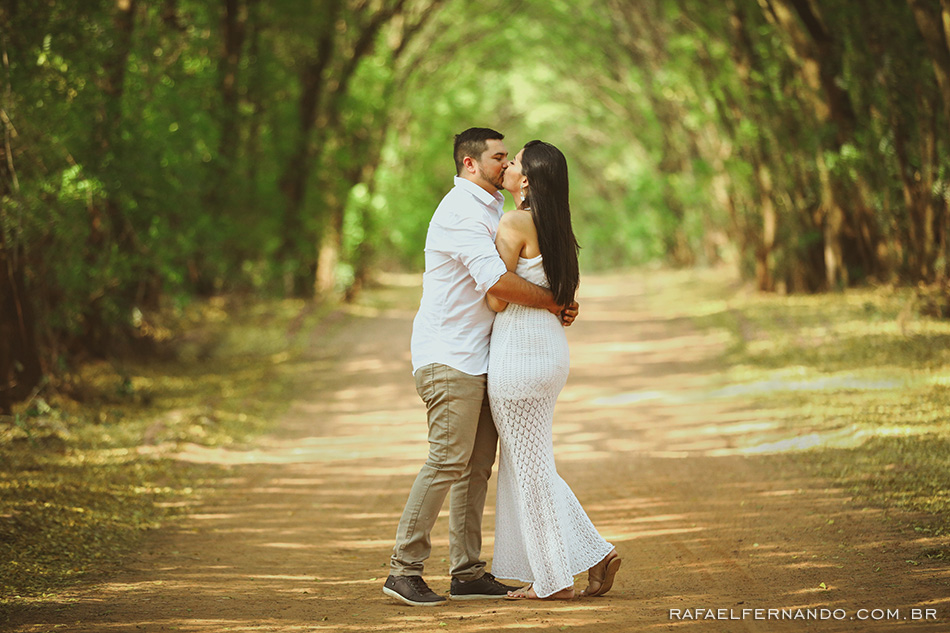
(610, 548)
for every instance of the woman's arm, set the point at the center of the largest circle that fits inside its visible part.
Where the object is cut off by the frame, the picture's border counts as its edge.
(509, 241)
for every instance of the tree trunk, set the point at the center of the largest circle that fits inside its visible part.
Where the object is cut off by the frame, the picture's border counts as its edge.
(749, 64)
(832, 228)
(917, 186)
(20, 364)
(297, 249)
(765, 265)
(234, 31)
(110, 122)
(365, 252)
(330, 244)
(109, 224)
(639, 28)
(934, 26)
(252, 140)
(819, 60)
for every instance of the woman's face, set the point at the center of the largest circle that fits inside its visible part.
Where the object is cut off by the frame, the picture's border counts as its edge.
(513, 176)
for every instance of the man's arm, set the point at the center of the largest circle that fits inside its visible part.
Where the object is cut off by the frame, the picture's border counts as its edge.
(513, 289)
(509, 241)
(510, 288)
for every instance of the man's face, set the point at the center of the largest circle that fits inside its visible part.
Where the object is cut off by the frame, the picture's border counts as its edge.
(490, 166)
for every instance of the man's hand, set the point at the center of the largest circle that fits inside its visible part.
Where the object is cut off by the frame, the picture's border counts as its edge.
(569, 313)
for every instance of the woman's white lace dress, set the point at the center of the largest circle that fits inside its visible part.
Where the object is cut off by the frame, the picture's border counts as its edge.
(542, 534)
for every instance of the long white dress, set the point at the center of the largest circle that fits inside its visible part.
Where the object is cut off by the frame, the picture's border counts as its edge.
(542, 534)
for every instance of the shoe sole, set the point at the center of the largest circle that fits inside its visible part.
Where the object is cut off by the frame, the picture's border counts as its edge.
(479, 596)
(398, 596)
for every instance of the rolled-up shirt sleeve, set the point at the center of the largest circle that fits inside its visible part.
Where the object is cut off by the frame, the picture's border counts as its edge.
(474, 247)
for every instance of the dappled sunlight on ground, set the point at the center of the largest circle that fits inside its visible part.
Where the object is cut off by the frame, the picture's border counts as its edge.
(698, 491)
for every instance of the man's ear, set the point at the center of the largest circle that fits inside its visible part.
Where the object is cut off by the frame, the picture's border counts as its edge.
(469, 164)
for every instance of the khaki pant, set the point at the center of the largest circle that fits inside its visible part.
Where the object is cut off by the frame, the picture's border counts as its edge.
(462, 441)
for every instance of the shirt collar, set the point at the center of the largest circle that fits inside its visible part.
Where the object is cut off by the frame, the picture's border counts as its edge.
(482, 195)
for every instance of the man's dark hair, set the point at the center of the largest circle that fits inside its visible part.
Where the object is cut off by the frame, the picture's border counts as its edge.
(473, 142)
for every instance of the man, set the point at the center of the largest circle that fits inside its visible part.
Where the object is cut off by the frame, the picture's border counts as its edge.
(450, 340)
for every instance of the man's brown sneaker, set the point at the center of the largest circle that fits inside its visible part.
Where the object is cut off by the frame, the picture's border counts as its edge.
(485, 588)
(412, 590)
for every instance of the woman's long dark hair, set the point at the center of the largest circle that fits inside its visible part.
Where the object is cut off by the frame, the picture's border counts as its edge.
(546, 169)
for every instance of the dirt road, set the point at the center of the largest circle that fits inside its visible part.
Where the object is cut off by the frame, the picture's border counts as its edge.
(299, 534)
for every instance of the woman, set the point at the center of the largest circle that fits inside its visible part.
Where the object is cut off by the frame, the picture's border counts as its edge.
(542, 534)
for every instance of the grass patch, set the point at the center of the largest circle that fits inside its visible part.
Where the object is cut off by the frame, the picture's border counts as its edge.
(862, 374)
(82, 479)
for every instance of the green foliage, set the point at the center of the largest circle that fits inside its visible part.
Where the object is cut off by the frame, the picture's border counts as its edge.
(171, 154)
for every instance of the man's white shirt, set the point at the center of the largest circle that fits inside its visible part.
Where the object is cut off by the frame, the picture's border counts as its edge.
(453, 325)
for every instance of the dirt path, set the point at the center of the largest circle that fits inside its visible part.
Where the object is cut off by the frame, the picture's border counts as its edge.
(299, 535)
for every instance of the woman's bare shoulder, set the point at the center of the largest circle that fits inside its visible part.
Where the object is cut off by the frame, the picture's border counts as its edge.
(517, 220)
(518, 227)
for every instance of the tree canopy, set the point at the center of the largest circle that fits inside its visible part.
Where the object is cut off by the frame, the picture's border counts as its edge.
(157, 151)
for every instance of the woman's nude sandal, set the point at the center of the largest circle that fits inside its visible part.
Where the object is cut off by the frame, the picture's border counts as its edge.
(600, 577)
(528, 593)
